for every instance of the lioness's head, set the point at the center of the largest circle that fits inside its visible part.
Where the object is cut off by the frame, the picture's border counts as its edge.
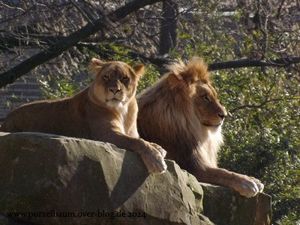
(115, 82)
(193, 82)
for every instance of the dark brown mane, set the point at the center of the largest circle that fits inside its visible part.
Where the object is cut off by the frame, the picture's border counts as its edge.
(182, 113)
(196, 69)
(176, 127)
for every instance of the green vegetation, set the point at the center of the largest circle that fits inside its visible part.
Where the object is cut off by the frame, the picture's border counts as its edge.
(58, 88)
(262, 137)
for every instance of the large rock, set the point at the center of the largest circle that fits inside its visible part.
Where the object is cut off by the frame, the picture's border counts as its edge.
(88, 182)
(224, 206)
(48, 179)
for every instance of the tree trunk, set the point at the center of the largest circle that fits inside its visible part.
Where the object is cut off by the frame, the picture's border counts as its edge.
(168, 27)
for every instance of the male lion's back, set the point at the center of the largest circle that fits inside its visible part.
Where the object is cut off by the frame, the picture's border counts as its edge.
(56, 117)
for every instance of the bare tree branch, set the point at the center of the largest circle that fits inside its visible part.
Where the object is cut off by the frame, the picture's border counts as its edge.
(260, 105)
(279, 9)
(62, 45)
(281, 62)
(88, 17)
(161, 61)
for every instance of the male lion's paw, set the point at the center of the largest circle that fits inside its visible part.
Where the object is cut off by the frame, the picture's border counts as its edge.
(249, 186)
(153, 158)
(259, 184)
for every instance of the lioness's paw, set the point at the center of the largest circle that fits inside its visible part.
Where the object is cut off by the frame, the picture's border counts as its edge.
(154, 164)
(153, 157)
(249, 186)
(159, 149)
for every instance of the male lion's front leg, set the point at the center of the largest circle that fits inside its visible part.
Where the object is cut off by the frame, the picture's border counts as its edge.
(151, 154)
(244, 185)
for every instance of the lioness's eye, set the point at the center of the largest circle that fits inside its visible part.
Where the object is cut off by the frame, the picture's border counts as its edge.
(125, 79)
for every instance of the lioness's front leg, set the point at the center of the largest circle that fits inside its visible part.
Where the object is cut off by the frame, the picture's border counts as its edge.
(153, 157)
(152, 154)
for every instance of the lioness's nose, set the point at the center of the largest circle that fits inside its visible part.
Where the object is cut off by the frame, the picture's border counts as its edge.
(114, 90)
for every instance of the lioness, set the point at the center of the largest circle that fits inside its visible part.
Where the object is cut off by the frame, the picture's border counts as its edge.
(188, 119)
(104, 111)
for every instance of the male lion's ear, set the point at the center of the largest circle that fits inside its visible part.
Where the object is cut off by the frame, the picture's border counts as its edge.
(176, 69)
(177, 75)
(95, 65)
(139, 69)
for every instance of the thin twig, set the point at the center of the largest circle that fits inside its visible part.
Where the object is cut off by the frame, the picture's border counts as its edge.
(263, 103)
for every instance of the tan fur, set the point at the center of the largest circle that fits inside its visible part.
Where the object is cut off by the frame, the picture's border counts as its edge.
(182, 113)
(105, 111)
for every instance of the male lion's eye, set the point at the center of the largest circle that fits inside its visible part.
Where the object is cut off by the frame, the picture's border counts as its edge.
(206, 98)
(105, 77)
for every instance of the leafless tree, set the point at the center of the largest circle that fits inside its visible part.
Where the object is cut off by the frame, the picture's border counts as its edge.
(34, 32)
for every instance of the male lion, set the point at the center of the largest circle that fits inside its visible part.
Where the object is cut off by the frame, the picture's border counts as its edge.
(182, 113)
(104, 111)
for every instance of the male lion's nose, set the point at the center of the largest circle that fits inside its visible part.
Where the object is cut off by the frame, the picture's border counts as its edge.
(222, 114)
(114, 90)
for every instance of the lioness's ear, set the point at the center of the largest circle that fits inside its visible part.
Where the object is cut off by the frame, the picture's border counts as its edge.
(95, 65)
(139, 69)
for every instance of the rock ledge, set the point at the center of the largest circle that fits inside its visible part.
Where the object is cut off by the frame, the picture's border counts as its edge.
(49, 179)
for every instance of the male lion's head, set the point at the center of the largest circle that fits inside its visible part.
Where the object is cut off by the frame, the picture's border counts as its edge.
(115, 82)
(193, 85)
